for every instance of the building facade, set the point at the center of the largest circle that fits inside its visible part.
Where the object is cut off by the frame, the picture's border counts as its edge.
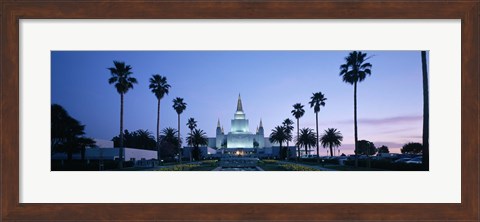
(239, 135)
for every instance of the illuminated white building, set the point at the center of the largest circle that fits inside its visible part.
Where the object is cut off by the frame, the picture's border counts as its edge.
(239, 135)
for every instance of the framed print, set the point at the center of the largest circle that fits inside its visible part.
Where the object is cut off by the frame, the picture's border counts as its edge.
(62, 65)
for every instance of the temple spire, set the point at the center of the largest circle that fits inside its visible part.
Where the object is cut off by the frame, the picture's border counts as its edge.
(261, 125)
(239, 104)
(218, 123)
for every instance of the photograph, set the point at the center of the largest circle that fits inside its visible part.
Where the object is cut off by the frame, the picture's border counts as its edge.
(239, 110)
(252, 110)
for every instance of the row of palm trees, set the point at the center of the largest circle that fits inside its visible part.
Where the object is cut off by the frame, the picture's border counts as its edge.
(121, 77)
(354, 70)
(306, 138)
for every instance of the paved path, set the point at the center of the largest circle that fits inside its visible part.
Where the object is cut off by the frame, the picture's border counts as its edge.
(306, 165)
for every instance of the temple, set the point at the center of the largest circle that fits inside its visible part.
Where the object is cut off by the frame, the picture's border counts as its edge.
(239, 135)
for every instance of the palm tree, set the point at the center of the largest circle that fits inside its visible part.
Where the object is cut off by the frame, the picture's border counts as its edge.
(191, 124)
(279, 135)
(425, 152)
(169, 141)
(298, 112)
(120, 76)
(83, 142)
(353, 71)
(306, 139)
(331, 138)
(288, 124)
(196, 138)
(179, 107)
(159, 87)
(317, 100)
(144, 139)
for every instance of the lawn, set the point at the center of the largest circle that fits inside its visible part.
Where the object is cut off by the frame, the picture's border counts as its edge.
(273, 165)
(350, 168)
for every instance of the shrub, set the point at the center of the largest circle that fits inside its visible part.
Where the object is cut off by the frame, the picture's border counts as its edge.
(210, 162)
(295, 167)
(270, 161)
(180, 167)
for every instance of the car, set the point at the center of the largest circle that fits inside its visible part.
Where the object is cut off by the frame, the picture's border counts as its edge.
(416, 160)
(402, 160)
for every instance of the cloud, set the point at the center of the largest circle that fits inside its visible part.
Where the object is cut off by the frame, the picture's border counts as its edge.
(395, 131)
(382, 121)
(351, 146)
(392, 147)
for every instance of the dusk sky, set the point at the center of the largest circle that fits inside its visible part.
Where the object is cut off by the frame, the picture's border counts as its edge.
(389, 101)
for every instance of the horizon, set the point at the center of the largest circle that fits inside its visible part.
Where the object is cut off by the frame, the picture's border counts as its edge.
(390, 101)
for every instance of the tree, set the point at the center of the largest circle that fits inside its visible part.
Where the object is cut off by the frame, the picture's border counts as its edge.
(191, 124)
(255, 144)
(179, 107)
(288, 124)
(316, 101)
(67, 133)
(141, 139)
(159, 87)
(279, 135)
(169, 143)
(307, 139)
(355, 70)
(412, 148)
(197, 138)
(366, 147)
(331, 138)
(383, 149)
(298, 112)
(144, 139)
(83, 142)
(120, 76)
(425, 151)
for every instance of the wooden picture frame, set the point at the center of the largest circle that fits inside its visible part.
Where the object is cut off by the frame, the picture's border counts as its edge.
(12, 11)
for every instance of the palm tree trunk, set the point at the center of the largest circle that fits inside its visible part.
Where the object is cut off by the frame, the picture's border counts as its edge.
(120, 151)
(288, 153)
(281, 151)
(179, 143)
(316, 120)
(425, 143)
(158, 130)
(191, 151)
(331, 150)
(355, 121)
(298, 134)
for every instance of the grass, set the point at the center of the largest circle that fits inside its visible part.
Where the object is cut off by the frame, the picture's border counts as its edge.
(296, 167)
(205, 165)
(203, 168)
(274, 165)
(271, 167)
(350, 168)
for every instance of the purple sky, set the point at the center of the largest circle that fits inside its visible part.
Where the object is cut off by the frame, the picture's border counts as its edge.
(270, 82)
